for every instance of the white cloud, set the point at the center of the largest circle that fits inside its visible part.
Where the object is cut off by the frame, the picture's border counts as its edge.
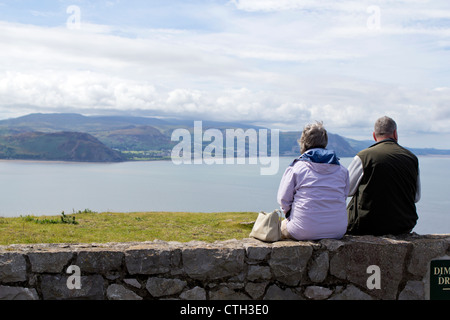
(281, 63)
(423, 110)
(276, 5)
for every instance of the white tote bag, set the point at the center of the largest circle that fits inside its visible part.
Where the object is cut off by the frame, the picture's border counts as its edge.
(267, 227)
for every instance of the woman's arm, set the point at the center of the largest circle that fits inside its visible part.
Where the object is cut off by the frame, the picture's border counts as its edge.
(286, 191)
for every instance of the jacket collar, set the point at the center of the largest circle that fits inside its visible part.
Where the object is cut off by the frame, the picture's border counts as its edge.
(319, 155)
(383, 141)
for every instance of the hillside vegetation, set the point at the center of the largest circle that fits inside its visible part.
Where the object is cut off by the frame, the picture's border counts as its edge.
(74, 137)
(60, 146)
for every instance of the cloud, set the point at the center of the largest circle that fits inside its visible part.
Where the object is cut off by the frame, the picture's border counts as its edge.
(83, 90)
(88, 92)
(276, 63)
(275, 5)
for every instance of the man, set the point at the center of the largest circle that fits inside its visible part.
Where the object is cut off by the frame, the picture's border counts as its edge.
(384, 184)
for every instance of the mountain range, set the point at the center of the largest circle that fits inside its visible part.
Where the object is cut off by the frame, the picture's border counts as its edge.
(75, 137)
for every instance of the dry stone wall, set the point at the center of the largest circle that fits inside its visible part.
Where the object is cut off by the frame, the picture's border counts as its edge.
(231, 270)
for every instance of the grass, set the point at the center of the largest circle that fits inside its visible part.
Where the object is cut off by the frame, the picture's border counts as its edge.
(63, 220)
(89, 227)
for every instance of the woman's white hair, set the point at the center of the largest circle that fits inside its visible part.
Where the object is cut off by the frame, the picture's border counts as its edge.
(314, 136)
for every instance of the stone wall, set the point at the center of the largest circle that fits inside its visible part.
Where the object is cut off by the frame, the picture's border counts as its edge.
(229, 270)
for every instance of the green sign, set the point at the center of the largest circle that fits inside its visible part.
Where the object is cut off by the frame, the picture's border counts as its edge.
(440, 280)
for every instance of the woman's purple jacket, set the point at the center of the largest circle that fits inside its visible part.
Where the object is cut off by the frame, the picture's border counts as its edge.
(313, 193)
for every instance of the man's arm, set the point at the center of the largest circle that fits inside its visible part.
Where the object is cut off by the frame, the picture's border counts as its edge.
(419, 188)
(356, 172)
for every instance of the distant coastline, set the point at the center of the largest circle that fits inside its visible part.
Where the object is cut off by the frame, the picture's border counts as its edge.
(25, 161)
(107, 139)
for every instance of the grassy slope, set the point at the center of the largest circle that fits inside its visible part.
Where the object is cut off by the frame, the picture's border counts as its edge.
(127, 227)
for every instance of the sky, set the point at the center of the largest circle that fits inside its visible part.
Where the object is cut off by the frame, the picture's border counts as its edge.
(276, 63)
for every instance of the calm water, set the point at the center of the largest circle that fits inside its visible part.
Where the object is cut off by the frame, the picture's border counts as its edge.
(40, 188)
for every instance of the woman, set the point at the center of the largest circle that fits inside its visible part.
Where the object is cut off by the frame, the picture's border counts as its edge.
(313, 190)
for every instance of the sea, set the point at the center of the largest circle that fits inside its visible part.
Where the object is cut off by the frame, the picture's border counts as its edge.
(49, 188)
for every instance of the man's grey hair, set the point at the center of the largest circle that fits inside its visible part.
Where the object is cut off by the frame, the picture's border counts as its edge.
(314, 136)
(385, 126)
